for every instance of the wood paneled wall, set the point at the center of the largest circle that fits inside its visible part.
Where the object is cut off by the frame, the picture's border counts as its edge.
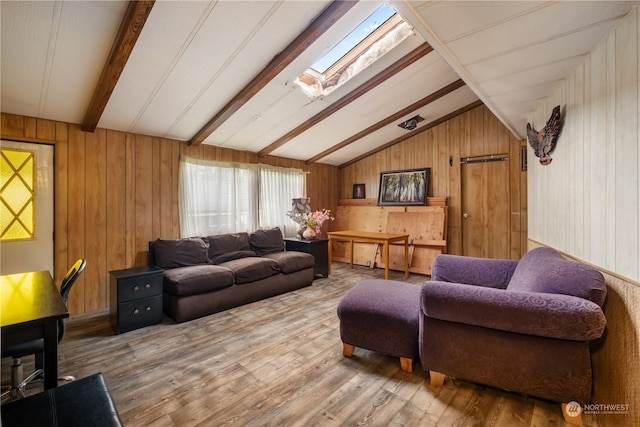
(472, 134)
(592, 186)
(116, 191)
(586, 203)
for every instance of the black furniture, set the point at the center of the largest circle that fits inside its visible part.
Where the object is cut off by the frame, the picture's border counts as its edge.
(319, 248)
(40, 322)
(136, 298)
(65, 287)
(81, 403)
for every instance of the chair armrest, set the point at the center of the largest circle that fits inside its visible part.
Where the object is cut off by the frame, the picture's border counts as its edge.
(545, 315)
(494, 273)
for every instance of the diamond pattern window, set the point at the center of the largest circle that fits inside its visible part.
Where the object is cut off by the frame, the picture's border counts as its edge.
(17, 207)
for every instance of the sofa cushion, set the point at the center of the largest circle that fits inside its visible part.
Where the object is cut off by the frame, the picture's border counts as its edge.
(196, 279)
(291, 261)
(226, 247)
(545, 270)
(493, 273)
(180, 252)
(251, 269)
(266, 241)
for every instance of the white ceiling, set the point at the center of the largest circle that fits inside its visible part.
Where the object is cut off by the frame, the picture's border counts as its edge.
(193, 57)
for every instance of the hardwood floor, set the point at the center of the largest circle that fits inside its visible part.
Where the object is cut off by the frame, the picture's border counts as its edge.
(277, 362)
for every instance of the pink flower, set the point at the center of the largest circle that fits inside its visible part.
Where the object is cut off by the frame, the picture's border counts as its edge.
(312, 220)
(317, 218)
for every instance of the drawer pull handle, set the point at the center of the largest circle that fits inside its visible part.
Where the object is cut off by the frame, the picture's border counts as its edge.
(147, 285)
(148, 308)
(135, 288)
(136, 311)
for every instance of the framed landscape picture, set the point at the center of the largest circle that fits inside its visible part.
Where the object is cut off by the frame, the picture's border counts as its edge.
(404, 187)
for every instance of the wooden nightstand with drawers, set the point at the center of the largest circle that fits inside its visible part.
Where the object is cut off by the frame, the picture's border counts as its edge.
(135, 298)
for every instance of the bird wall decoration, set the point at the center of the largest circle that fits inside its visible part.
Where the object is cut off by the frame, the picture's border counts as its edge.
(544, 141)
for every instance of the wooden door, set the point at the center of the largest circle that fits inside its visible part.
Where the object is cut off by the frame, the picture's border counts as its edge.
(485, 207)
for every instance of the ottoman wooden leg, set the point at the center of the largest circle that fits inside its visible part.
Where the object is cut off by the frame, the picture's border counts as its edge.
(347, 349)
(406, 364)
(436, 379)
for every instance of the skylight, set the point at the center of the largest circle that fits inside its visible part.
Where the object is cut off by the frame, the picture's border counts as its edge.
(355, 37)
(369, 41)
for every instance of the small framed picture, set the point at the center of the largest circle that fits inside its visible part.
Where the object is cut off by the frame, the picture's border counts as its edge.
(358, 191)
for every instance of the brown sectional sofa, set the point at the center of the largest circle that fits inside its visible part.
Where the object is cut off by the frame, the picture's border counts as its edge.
(206, 275)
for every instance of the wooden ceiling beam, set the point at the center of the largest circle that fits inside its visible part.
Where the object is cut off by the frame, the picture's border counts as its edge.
(392, 118)
(388, 72)
(130, 28)
(317, 28)
(421, 129)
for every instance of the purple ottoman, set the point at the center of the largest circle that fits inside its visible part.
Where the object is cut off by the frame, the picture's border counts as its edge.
(383, 316)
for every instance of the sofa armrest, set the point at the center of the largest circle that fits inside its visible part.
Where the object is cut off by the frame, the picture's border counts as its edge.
(546, 315)
(494, 273)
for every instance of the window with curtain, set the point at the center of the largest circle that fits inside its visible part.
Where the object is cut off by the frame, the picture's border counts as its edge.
(219, 197)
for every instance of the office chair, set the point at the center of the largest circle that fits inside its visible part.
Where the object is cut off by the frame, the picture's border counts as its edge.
(36, 347)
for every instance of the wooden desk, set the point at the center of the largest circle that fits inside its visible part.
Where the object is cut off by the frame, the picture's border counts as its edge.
(30, 307)
(372, 237)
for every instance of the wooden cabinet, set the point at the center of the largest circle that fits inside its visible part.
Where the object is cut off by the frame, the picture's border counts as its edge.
(319, 248)
(136, 298)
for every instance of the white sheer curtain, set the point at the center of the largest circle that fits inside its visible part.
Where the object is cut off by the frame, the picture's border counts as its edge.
(216, 197)
(219, 197)
(277, 187)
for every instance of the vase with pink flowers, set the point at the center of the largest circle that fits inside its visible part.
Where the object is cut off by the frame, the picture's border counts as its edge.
(310, 223)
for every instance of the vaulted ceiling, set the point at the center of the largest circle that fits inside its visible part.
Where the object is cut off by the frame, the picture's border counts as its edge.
(222, 72)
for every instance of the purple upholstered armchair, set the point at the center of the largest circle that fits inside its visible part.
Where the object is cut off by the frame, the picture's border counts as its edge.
(522, 326)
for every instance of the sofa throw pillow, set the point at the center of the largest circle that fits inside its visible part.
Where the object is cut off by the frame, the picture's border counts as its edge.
(546, 270)
(267, 241)
(227, 247)
(180, 252)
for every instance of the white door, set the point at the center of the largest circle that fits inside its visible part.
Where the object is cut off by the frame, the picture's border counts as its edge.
(27, 191)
